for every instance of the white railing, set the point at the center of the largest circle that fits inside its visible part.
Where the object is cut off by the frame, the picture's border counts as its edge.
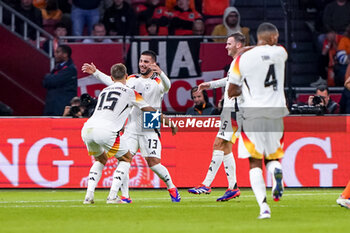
(27, 24)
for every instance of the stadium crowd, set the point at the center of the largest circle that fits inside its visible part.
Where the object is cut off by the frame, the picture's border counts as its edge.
(331, 28)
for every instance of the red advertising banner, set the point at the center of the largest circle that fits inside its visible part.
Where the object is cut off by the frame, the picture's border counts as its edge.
(49, 153)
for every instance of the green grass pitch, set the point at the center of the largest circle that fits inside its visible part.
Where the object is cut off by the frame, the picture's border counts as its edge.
(300, 210)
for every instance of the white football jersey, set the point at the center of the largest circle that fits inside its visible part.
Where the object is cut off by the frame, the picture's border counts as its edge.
(230, 103)
(152, 90)
(113, 107)
(260, 72)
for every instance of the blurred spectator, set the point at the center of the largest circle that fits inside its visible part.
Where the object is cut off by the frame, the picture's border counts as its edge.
(183, 18)
(153, 9)
(326, 59)
(61, 83)
(170, 4)
(40, 4)
(202, 106)
(322, 99)
(99, 30)
(120, 17)
(219, 107)
(5, 110)
(231, 24)
(212, 8)
(60, 30)
(336, 17)
(198, 27)
(65, 6)
(152, 28)
(51, 16)
(345, 97)
(26, 8)
(84, 13)
(51, 11)
(342, 57)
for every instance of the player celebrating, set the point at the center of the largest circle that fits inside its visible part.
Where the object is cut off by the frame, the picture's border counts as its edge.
(151, 83)
(259, 75)
(227, 135)
(101, 132)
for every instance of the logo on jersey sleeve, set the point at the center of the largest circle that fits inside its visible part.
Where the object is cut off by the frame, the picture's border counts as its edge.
(151, 120)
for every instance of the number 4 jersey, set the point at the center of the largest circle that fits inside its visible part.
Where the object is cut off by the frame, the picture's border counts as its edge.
(113, 107)
(260, 73)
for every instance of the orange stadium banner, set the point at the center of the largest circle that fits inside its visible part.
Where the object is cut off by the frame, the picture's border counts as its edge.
(49, 153)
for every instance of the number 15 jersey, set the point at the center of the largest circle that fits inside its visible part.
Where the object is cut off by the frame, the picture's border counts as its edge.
(113, 107)
(260, 72)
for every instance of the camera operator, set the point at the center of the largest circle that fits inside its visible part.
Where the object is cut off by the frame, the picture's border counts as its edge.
(74, 109)
(81, 107)
(323, 100)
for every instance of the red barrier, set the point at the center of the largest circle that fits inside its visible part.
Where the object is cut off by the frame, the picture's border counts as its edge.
(50, 153)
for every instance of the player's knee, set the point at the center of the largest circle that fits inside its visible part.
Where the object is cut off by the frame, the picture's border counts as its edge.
(102, 158)
(126, 158)
(219, 144)
(152, 161)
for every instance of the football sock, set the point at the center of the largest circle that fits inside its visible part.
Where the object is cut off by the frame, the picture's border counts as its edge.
(118, 177)
(230, 169)
(94, 177)
(346, 192)
(125, 186)
(163, 173)
(216, 161)
(270, 166)
(258, 184)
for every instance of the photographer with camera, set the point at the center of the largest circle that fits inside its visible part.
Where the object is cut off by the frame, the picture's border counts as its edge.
(74, 109)
(322, 99)
(80, 107)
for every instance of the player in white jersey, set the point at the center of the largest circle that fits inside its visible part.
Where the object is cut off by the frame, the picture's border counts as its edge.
(152, 84)
(100, 133)
(227, 135)
(259, 75)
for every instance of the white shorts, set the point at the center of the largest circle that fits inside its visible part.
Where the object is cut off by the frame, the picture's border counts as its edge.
(230, 128)
(261, 137)
(99, 140)
(148, 143)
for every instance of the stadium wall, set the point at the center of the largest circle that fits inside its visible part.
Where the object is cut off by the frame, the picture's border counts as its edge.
(22, 69)
(49, 153)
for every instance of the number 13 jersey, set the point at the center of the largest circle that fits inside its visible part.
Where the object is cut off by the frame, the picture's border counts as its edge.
(260, 72)
(113, 107)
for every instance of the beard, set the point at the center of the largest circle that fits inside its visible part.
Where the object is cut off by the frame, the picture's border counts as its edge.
(146, 72)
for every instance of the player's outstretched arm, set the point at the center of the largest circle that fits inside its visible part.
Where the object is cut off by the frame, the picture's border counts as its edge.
(88, 68)
(203, 86)
(91, 69)
(218, 83)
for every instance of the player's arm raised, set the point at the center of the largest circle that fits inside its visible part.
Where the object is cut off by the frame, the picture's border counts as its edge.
(91, 69)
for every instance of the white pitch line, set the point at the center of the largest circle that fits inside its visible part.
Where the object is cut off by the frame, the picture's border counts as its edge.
(165, 198)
